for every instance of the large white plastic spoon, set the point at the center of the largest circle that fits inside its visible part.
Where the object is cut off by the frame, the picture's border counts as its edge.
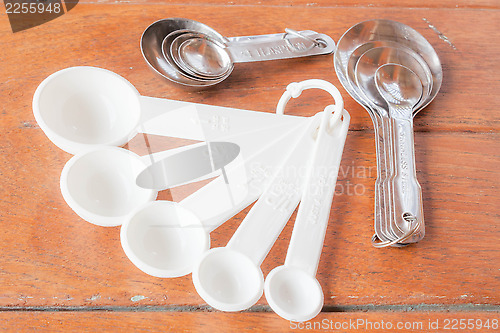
(229, 278)
(100, 184)
(165, 239)
(292, 290)
(81, 107)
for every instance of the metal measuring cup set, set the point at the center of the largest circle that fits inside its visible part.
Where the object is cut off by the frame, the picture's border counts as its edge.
(277, 161)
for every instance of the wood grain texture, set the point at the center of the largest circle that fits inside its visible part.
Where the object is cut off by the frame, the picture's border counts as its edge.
(51, 259)
(77, 39)
(48, 242)
(245, 322)
(452, 4)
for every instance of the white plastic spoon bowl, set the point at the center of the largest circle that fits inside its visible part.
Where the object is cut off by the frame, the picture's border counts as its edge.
(293, 293)
(100, 187)
(163, 239)
(81, 106)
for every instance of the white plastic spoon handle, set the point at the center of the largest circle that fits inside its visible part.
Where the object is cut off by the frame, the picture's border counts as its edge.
(249, 142)
(217, 201)
(204, 122)
(261, 227)
(312, 218)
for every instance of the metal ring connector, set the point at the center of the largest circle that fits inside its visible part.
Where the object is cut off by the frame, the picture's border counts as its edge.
(316, 42)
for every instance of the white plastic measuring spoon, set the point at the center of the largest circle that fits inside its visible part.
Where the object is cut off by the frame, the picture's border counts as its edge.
(100, 184)
(229, 278)
(292, 290)
(81, 107)
(165, 239)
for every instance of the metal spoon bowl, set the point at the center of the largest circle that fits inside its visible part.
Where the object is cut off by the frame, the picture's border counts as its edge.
(372, 59)
(399, 86)
(201, 55)
(389, 31)
(152, 50)
(360, 50)
(172, 58)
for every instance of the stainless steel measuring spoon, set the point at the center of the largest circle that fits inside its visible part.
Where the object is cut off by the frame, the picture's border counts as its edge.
(402, 90)
(365, 70)
(390, 31)
(208, 52)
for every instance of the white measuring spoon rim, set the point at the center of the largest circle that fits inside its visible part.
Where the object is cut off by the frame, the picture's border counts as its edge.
(258, 287)
(203, 241)
(78, 208)
(61, 141)
(275, 275)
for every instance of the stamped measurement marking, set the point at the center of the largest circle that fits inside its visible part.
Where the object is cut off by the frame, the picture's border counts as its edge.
(216, 123)
(403, 154)
(323, 185)
(281, 195)
(263, 52)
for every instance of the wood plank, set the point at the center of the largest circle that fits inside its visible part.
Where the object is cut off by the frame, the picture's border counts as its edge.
(462, 103)
(247, 322)
(483, 4)
(53, 258)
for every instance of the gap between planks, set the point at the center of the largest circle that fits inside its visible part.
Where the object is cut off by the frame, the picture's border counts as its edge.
(468, 307)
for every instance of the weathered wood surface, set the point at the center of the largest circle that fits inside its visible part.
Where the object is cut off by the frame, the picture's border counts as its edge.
(51, 259)
(247, 322)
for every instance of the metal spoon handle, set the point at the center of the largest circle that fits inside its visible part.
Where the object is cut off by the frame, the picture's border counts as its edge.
(381, 149)
(408, 207)
(278, 46)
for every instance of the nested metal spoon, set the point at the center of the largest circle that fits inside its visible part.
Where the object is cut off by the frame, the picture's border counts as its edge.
(190, 65)
(392, 228)
(402, 89)
(376, 31)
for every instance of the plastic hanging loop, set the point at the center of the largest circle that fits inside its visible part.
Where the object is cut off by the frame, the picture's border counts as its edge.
(229, 278)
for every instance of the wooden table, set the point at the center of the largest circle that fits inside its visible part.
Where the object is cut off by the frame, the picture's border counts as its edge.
(59, 272)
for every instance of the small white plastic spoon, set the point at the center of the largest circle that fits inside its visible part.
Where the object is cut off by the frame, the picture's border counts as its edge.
(165, 239)
(292, 290)
(81, 107)
(229, 278)
(100, 184)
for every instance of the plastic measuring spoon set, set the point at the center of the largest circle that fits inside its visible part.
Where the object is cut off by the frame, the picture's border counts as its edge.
(276, 160)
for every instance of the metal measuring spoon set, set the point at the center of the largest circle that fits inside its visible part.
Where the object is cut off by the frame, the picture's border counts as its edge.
(191, 53)
(394, 72)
